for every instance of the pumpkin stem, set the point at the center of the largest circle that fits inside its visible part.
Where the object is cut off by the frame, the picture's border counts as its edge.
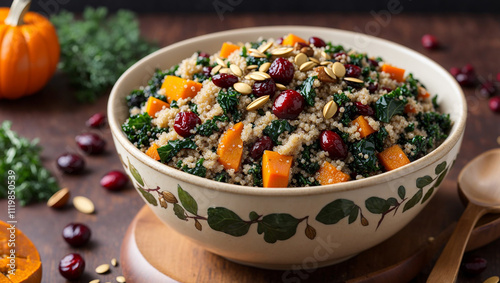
(17, 11)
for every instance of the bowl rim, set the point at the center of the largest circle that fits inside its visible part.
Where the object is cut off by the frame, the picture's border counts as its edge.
(453, 138)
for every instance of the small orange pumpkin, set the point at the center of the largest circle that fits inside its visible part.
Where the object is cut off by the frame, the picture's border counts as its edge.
(29, 50)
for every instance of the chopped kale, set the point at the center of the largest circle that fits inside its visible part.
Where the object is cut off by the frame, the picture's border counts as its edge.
(436, 125)
(357, 59)
(360, 150)
(200, 77)
(365, 72)
(412, 85)
(210, 126)
(256, 172)
(349, 110)
(204, 61)
(168, 151)
(221, 177)
(420, 144)
(138, 97)
(193, 107)
(390, 104)
(139, 129)
(243, 52)
(305, 162)
(197, 170)
(174, 104)
(434, 102)
(256, 61)
(341, 98)
(304, 181)
(261, 112)
(410, 128)
(330, 48)
(307, 90)
(276, 128)
(379, 138)
(228, 101)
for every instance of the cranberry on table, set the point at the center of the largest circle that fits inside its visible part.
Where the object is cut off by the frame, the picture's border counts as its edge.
(76, 234)
(90, 143)
(288, 105)
(474, 265)
(487, 89)
(317, 42)
(498, 77)
(465, 79)
(468, 69)
(364, 110)
(282, 71)
(71, 163)
(224, 80)
(184, 122)
(332, 143)
(262, 88)
(454, 71)
(494, 104)
(264, 143)
(97, 120)
(352, 71)
(72, 266)
(429, 41)
(114, 180)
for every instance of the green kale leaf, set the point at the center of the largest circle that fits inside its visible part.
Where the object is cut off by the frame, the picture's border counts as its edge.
(168, 151)
(276, 128)
(390, 104)
(256, 172)
(360, 150)
(228, 101)
(210, 126)
(307, 90)
(139, 130)
(197, 170)
(305, 162)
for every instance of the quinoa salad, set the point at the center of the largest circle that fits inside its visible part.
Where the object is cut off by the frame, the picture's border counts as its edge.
(286, 112)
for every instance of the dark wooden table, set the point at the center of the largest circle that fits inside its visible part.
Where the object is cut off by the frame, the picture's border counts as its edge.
(55, 117)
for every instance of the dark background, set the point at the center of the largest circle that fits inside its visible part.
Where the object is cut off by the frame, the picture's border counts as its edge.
(242, 6)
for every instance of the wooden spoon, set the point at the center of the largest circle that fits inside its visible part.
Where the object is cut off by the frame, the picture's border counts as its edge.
(479, 180)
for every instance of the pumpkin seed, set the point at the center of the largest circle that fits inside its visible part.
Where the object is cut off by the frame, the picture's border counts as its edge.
(236, 70)
(101, 269)
(330, 109)
(330, 73)
(351, 52)
(95, 281)
(282, 87)
(258, 76)
(83, 204)
(216, 69)
(120, 279)
(325, 63)
(255, 53)
(264, 67)
(251, 67)
(59, 198)
(220, 62)
(263, 48)
(338, 69)
(326, 55)
(224, 70)
(300, 59)
(265, 75)
(354, 80)
(307, 66)
(247, 77)
(258, 103)
(251, 50)
(314, 60)
(493, 279)
(242, 88)
(282, 51)
(114, 262)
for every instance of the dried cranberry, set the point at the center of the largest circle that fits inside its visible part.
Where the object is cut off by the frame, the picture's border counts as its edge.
(338, 54)
(487, 89)
(465, 79)
(454, 71)
(364, 110)
(184, 122)
(468, 69)
(224, 80)
(114, 180)
(207, 71)
(264, 143)
(352, 71)
(498, 77)
(474, 265)
(430, 41)
(317, 42)
(282, 71)
(90, 143)
(372, 87)
(203, 55)
(76, 234)
(71, 163)
(262, 88)
(279, 40)
(388, 89)
(332, 143)
(288, 105)
(97, 120)
(72, 266)
(494, 104)
(373, 63)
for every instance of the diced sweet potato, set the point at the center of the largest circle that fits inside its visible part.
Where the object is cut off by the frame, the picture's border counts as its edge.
(329, 174)
(227, 48)
(154, 105)
(230, 148)
(291, 39)
(393, 157)
(153, 152)
(397, 74)
(364, 128)
(275, 169)
(177, 88)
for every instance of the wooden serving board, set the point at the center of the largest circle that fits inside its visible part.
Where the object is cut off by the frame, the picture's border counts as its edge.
(153, 252)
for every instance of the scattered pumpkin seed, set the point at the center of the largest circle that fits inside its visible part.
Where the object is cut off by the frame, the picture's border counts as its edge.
(59, 198)
(252, 50)
(114, 262)
(242, 88)
(255, 53)
(256, 77)
(300, 59)
(263, 48)
(220, 62)
(307, 66)
(265, 75)
(326, 55)
(330, 73)
(282, 51)
(325, 63)
(120, 279)
(354, 80)
(492, 279)
(224, 70)
(236, 70)
(248, 77)
(330, 109)
(258, 103)
(264, 67)
(430, 239)
(95, 281)
(251, 67)
(83, 204)
(216, 69)
(314, 60)
(282, 87)
(101, 269)
(338, 69)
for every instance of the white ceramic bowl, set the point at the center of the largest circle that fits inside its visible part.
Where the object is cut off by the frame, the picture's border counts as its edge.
(289, 227)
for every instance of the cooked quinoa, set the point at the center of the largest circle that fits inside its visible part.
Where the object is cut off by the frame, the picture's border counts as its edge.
(413, 122)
